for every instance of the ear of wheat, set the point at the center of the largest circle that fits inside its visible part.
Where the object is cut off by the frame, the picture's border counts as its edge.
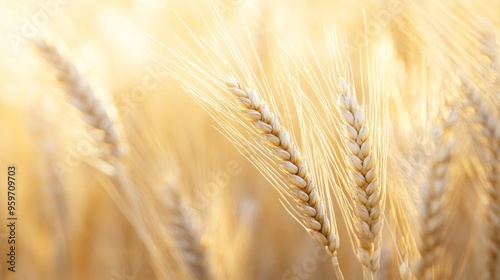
(365, 182)
(82, 96)
(326, 128)
(121, 187)
(270, 147)
(187, 239)
(288, 157)
(202, 80)
(434, 197)
(490, 135)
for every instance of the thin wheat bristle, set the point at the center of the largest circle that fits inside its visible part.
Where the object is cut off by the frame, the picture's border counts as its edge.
(301, 182)
(365, 182)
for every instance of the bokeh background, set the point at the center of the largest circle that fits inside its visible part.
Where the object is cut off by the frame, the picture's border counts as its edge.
(70, 225)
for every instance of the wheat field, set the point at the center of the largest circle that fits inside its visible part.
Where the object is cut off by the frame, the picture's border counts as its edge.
(239, 139)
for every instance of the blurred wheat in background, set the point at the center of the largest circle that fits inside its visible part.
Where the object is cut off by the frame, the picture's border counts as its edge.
(239, 139)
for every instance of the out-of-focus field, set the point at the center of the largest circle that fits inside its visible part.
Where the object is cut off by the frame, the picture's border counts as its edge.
(75, 222)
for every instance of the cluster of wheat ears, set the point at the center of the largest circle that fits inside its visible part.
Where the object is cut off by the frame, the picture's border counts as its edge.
(386, 153)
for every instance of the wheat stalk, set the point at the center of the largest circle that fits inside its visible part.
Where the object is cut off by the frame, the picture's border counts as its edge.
(432, 212)
(491, 137)
(365, 182)
(185, 235)
(288, 157)
(82, 96)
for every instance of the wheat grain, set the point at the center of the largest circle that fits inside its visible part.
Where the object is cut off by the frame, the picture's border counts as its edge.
(404, 271)
(365, 182)
(288, 157)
